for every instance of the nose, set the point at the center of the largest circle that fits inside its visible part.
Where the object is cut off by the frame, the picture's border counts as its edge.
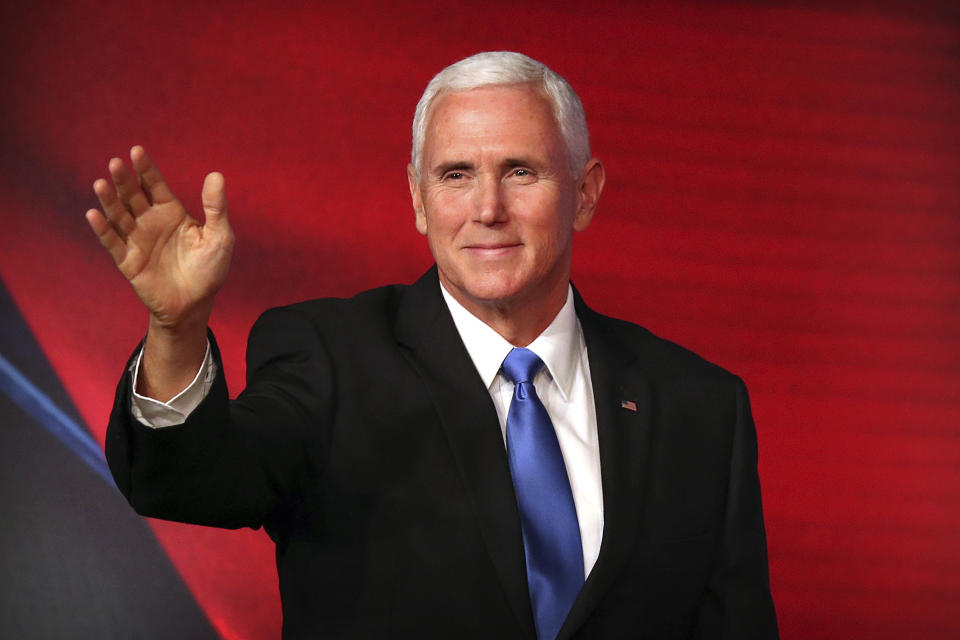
(490, 207)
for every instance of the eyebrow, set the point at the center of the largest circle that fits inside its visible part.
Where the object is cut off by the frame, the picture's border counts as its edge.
(520, 162)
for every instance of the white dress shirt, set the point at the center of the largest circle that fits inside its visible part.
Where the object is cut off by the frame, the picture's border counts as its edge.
(563, 385)
(174, 411)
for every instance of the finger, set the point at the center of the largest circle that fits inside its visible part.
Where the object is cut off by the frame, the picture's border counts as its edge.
(107, 235)
(128, 188)
(113, 209)
(150, 179)
(214, 199)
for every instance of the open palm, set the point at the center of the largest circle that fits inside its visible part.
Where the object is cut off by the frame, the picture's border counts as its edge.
(175, 264)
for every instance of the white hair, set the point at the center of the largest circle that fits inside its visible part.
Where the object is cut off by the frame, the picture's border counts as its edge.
(495, 68)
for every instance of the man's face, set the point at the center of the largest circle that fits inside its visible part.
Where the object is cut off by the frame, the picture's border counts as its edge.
(497, 199)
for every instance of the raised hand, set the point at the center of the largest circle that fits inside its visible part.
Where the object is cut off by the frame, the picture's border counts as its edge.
(175, 264)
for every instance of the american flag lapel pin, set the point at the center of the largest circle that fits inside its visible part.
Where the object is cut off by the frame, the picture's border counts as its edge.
(629, 405)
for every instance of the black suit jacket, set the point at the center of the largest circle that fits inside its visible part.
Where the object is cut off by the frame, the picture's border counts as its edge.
(368, 448)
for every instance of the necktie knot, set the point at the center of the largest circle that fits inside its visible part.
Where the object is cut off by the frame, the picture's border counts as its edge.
(521, 365)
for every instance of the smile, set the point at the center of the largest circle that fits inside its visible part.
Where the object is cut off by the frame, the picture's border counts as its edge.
(492, 251)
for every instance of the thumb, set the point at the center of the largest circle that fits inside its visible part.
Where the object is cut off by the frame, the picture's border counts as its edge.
(214, 199)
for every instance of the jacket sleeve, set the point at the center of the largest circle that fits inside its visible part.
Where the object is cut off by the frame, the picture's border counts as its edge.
(233, 463)
(738, 604)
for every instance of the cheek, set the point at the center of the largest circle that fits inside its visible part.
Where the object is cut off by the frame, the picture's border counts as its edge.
(445, 212)
(551, 246)
(545, 222)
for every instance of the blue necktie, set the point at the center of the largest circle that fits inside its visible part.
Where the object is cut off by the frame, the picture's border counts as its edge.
(548, 518)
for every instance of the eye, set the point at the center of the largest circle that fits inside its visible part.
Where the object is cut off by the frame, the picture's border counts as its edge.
(522, 175)
(453, 175)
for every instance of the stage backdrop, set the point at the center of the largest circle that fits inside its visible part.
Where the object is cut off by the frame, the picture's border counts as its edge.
(783, 197)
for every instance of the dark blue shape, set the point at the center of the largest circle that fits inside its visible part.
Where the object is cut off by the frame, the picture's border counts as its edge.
(36, 403)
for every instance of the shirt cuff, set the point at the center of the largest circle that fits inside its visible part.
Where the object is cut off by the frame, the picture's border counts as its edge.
(156, 414)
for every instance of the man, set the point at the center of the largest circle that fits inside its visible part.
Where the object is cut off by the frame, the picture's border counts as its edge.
(619, 498)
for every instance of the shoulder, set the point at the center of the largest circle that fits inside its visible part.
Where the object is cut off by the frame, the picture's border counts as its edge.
(687, 388)
(326, 338)
(657, 357)
(374, 307)
(325, 329)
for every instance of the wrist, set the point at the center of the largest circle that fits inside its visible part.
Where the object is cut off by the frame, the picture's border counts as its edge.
(172, 354)
(190, 323)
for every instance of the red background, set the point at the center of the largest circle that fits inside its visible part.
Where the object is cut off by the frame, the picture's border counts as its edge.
(783, 196)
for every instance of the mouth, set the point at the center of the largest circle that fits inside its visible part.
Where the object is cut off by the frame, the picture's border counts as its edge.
(492, 250)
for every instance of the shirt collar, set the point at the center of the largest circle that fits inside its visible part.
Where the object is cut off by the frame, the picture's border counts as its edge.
(559, 345)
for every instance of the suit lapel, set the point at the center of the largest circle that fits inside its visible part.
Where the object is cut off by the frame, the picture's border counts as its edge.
(434, 348)
(624, 437)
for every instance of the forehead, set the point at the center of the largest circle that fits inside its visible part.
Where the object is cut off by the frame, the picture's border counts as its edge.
(501, 118)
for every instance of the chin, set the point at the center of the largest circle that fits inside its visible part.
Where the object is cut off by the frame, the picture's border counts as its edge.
(492, 294)
(491, 289)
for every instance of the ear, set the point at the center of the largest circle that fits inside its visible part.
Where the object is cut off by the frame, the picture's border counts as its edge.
(588, 193)
(417, 198)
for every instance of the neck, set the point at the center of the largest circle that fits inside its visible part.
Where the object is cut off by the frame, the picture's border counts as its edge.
(518, 320)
